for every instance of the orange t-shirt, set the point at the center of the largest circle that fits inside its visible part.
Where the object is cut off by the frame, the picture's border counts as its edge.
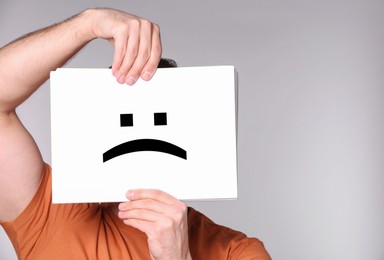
(92, 231)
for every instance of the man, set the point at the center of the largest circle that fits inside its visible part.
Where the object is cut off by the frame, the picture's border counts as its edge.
(152, 224)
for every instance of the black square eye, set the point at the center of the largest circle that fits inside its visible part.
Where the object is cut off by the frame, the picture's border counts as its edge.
(160, 118)
(126, 120)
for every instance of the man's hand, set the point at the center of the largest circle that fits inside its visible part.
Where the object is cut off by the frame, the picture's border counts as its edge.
(136, 41)
(162, 218)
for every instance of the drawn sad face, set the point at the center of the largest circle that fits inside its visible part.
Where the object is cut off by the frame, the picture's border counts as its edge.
(160, 119)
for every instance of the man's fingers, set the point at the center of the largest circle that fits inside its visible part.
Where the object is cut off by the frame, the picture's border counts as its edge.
(147, 204)
(154, 201)
(137, 53)
(153, 194)
(149, 222)
(129, 55)
(140, 214)
(143, 226)
(155, 55)
(120, 48)
(144, 52)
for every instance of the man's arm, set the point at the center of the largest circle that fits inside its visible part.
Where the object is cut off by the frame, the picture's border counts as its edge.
(25, 64)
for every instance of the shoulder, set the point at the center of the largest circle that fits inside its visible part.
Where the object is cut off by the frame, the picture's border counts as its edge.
(42, 221)
(215, 241)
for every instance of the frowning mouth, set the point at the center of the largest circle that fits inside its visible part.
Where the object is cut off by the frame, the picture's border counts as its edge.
(144, 145)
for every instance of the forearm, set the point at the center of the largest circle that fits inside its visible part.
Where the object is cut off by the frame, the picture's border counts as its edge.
(25, 64)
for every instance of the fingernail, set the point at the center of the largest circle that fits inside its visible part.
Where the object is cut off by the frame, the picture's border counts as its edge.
(121, 79)
(130, 194)
(147, 75)
(130, 80)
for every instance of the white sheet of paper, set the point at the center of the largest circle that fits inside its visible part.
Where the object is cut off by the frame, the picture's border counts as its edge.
(200, 106)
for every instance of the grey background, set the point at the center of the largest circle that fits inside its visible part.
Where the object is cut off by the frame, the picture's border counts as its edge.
(311, 115)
